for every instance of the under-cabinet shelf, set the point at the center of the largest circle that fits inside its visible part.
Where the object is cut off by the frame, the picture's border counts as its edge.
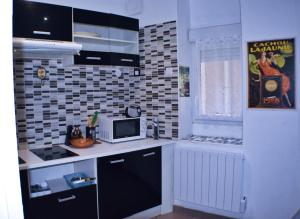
(103, 40)
(49, 180)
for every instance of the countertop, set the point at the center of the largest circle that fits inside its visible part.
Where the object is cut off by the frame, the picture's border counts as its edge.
(97, 150)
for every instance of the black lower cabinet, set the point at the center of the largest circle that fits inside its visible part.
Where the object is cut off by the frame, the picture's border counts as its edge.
(129, 183)
(25, 192)
(74, 204)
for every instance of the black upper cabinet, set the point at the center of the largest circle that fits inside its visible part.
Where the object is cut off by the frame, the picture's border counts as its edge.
(121, 59)
(104, 19)
(42, 21)
(122, 22)
(106, 39)
(90, 17)
(92, 58)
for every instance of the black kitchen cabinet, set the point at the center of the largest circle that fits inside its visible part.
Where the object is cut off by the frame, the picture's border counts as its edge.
(121, 59)
(42, 21)
(25, 192)
(92, 58)
(123, 22)
(129, 183)
(113, 37)
(104, 19)
(90, 17)
(76, 204)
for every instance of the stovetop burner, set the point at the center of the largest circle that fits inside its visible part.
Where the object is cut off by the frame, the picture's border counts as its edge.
(52, 153)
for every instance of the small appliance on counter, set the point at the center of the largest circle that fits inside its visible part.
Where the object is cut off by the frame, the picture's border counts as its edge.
(133, 111)
(74, 135)
(155, 128)
(119, 129)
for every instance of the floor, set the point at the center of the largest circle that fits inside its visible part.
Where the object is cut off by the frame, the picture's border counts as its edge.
(183, 213)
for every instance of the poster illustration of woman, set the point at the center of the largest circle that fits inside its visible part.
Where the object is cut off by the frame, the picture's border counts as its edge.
(271, 74)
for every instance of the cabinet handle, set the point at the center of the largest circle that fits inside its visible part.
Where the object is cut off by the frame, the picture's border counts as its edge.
(127, 60)
(66, 199)
(149, 154)
(41, 32)
(93, 58)
(117, 161)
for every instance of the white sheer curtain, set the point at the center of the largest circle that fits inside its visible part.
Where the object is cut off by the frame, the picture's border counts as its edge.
(219, 77)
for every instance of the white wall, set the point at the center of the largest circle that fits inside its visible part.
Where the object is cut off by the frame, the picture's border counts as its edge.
(272, 177)
(10, 191)
(206, 13)
(156, 11)
(108, 6)
(184, 59)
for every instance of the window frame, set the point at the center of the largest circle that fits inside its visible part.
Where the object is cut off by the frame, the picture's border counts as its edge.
(196, 94)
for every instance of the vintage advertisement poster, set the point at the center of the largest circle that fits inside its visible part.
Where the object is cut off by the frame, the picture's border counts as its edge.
(184, 82)
(271, 74)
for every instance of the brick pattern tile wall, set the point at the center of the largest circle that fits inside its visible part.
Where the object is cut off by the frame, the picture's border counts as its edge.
(70, 94)
(159, 91)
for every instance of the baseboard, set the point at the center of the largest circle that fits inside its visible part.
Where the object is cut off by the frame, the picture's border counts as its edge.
(207, 209)
(147, 214)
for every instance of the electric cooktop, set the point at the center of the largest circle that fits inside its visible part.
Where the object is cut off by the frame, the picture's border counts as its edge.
(52, 153)
(21, 161)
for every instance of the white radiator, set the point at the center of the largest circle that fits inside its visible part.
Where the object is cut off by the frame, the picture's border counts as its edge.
(208, 176)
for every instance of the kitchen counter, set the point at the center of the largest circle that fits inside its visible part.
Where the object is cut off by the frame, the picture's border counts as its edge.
(97, 150)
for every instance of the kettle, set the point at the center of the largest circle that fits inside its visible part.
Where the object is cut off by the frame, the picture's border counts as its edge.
(133, 111)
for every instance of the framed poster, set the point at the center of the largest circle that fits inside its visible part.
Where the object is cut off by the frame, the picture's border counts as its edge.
(271, 74)
(184, 81)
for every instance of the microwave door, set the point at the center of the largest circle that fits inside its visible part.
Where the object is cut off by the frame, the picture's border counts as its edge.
(126, 128)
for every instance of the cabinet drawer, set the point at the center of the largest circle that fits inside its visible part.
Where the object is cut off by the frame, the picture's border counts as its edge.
(42, 21)
(120, 59)
(92, 58)
(76, 204)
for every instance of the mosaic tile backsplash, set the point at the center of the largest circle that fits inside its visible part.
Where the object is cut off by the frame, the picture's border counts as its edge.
(159, 92)
(70, 94)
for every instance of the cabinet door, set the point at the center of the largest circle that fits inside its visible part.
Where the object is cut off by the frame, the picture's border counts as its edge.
(146, 165)
(42, 21)
(129, 183)
(90, 17)
(116, 187)
(25, 192)
(76, 204)
(120, 59)
(123, 22)
(92, 58)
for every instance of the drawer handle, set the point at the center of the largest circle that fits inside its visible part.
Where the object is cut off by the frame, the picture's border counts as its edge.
(41, 32)
(127, 60)
(117, 161)
(149, 154)
(93, 58)
(60, 200)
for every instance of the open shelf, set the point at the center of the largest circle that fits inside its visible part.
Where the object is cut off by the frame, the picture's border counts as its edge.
(53, 176)
(103, 40)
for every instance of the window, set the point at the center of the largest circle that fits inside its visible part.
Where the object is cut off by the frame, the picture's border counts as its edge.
(218, 85)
